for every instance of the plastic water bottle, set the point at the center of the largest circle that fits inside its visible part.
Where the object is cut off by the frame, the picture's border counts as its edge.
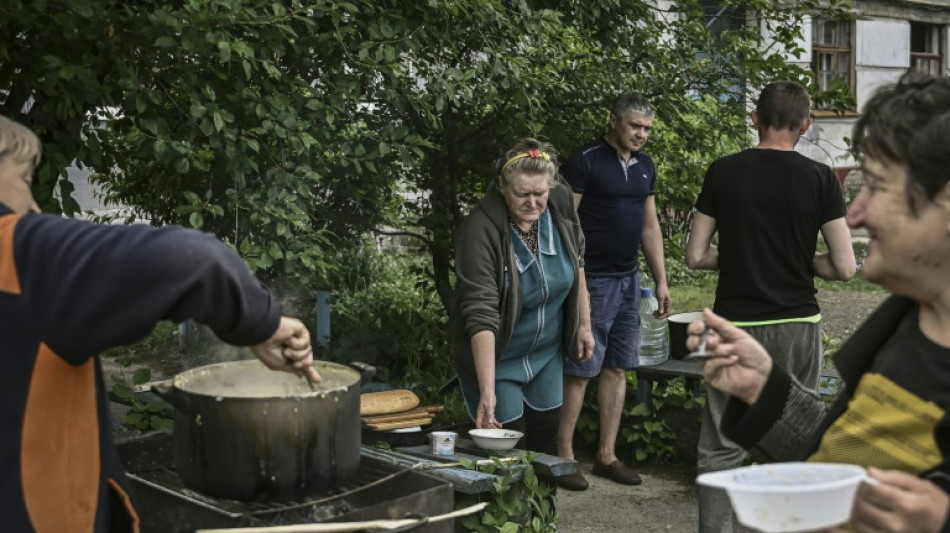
(654, 335)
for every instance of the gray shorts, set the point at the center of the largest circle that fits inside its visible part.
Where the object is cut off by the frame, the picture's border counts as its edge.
(615, 319)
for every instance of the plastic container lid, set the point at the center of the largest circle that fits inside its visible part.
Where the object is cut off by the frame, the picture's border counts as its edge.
(646, 292)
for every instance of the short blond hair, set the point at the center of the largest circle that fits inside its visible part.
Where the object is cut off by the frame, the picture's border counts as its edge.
(17, 143)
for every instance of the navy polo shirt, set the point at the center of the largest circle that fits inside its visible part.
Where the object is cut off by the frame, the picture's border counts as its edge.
(611, 211)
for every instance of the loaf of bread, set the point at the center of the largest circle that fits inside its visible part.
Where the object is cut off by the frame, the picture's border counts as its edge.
(387, 402)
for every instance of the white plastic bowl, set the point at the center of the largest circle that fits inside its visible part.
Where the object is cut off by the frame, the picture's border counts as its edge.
(789, 497)
(495, 439)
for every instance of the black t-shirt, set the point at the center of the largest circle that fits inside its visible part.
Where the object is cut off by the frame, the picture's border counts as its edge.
(611, 211)
(916, 363)
(769, 207)
(897, 416)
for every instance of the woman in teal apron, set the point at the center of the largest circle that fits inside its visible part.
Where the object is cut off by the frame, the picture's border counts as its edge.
(520, 297)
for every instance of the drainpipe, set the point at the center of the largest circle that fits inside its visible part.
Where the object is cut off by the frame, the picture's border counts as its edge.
(323, 320)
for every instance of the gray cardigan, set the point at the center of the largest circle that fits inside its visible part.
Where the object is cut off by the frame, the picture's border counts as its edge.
(487, 291)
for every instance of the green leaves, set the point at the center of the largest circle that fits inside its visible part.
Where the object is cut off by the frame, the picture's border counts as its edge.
(519, 502)
(141, 415)
(218, 121)
(303, 125)
(142, 375)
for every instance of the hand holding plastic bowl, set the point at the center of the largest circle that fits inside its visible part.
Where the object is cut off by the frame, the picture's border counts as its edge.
(790, 497)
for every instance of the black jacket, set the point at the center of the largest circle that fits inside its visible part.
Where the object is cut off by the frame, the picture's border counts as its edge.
(788, 422)
(487, 291)
(68, 290)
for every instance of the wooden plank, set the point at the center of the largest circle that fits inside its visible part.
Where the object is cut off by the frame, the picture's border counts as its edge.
(546, 465)
(462, 480)
(418, 412)
(399, 424)
(678, 368)
(675, 368)
(671, 368)
(551, 465)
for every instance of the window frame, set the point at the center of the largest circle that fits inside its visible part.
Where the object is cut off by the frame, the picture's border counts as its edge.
(934, 58)
(834, 50)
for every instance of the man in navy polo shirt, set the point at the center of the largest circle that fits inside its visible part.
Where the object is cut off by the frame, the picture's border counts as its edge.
(614, 184)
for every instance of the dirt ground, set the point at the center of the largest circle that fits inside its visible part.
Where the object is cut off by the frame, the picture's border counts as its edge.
(666, 501)
(843, 311)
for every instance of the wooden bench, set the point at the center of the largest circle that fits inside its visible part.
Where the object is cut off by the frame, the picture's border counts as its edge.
(828, 382)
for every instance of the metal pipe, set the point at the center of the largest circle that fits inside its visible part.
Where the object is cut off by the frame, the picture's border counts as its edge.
(323, 319)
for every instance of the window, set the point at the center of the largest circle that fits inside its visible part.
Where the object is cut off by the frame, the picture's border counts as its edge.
(722, 17)
(831, 52)
(925, 48)
(725, 23)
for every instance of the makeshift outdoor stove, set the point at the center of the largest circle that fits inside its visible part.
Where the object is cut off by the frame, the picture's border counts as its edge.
(378, 490)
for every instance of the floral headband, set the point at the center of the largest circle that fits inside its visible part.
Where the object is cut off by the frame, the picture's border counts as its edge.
(534, 153)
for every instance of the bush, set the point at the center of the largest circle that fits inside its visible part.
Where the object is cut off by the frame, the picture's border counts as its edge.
(517, 505)
(646, 429)
(385, 313)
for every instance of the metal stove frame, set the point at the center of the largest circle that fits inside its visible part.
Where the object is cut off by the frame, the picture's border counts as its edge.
(379, 490)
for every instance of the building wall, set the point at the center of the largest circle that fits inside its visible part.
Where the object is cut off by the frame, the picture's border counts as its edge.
(881, 51)
(881, 55)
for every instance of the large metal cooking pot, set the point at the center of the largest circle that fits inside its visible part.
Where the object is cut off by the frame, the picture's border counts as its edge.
(245, 432)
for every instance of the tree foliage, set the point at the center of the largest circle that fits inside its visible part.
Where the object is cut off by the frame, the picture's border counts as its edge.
(290, 127)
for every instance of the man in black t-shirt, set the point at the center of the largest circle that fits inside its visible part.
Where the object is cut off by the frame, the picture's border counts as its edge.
(892, 413)
(768, 205)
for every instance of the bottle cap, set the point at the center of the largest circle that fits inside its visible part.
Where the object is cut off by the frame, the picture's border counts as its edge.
(646, 292)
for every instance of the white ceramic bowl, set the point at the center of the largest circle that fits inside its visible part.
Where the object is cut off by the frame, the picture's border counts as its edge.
(789, 497)
(495, 439)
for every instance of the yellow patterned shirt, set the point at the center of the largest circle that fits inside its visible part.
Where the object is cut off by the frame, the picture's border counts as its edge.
(890, 420)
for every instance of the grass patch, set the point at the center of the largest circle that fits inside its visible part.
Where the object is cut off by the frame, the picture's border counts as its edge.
(693, 297)
(696, 296)
(857, 284)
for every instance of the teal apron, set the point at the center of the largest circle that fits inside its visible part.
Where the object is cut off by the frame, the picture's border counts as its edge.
(530, 369)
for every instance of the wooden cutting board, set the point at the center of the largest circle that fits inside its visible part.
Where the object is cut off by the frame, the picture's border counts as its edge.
(418, 412)
(399, 424)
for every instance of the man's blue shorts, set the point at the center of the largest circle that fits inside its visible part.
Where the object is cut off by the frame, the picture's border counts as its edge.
(615, 318)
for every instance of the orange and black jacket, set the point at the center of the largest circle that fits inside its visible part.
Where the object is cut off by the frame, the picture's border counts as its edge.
(68, 290)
